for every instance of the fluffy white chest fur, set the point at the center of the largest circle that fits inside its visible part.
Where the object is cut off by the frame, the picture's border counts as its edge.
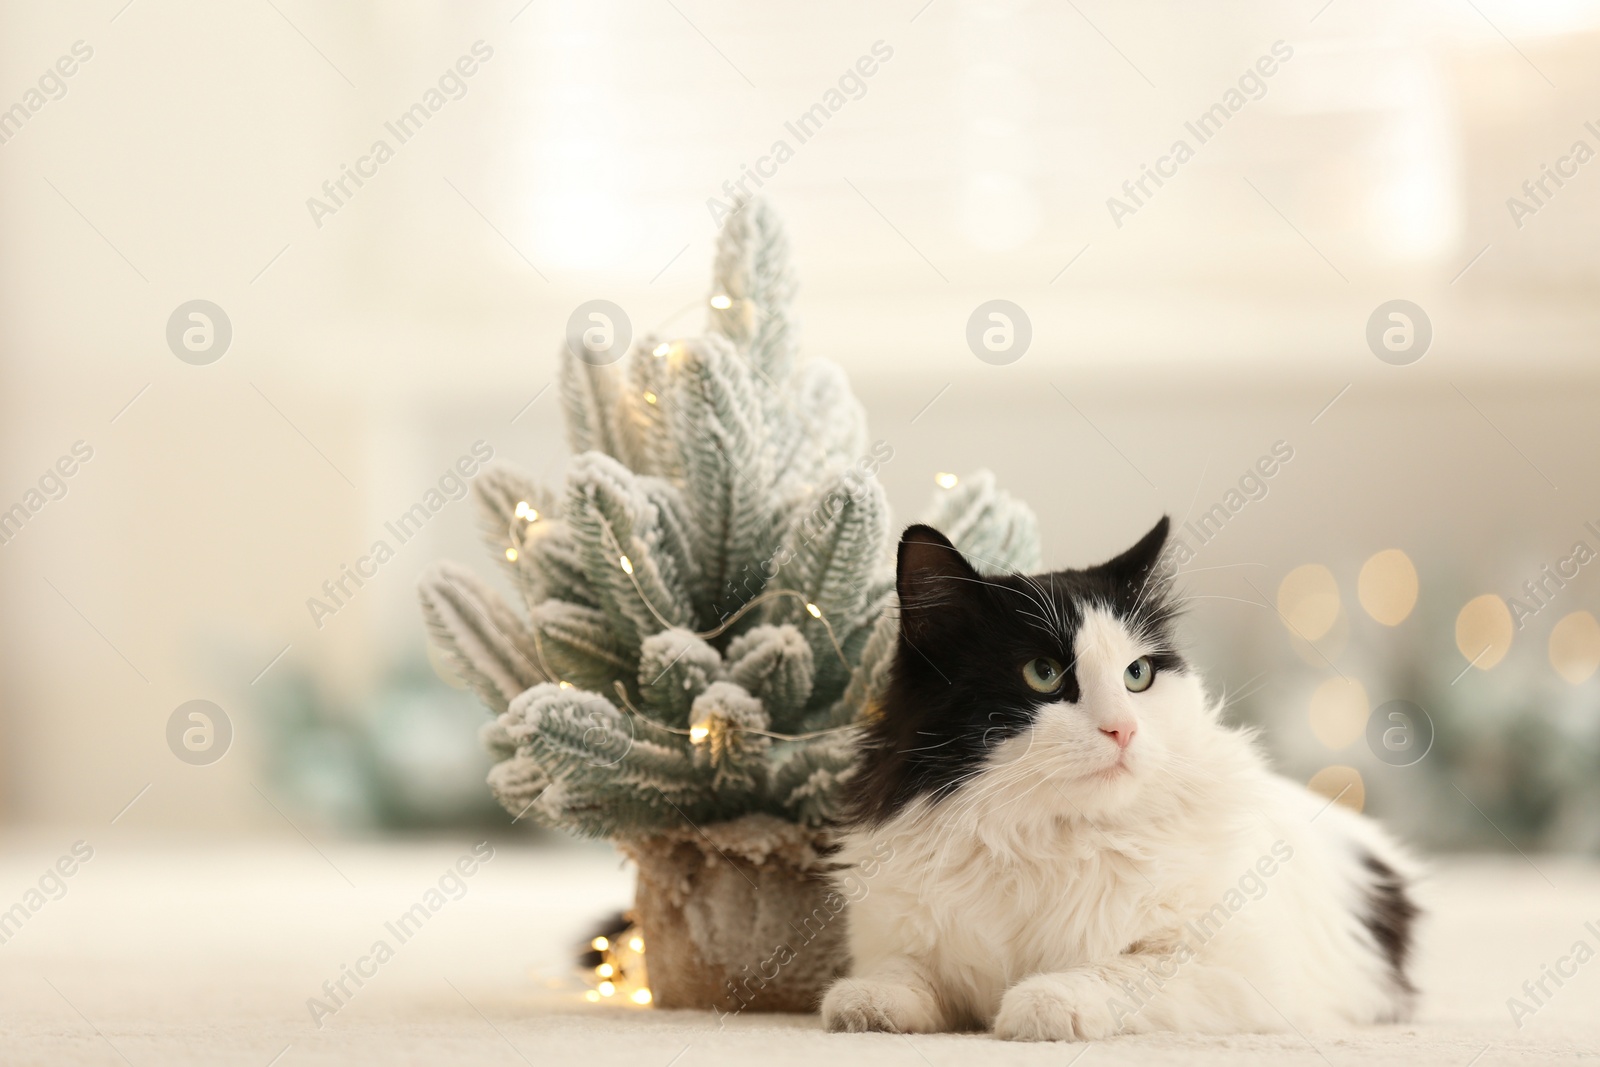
(1124, 863)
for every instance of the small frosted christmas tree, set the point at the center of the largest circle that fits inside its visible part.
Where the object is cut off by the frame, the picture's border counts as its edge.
(708, 611)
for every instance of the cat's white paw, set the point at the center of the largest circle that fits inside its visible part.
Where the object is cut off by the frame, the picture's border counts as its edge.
(854, 1005)
(1074, 1006)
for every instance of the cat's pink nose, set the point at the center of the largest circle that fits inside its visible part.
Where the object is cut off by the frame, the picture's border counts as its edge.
(1122, 733)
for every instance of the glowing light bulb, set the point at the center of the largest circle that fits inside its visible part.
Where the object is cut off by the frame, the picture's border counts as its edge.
(641, 996)
(511, 555)
(564, 684)
(592, 997)
(532, 516)
(722, 302)
(697, 734)
(605, 970)
(945, 480)
(627, 564)
(636, 943)
(522, 508)
(600, 944)
(816, 612)
(661, 349)
(607, 989)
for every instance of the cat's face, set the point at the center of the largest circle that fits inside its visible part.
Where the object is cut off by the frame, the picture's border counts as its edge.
(1067, 680)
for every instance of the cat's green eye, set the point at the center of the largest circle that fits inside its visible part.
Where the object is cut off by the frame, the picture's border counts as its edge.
(1140, 673)
(1043, 675)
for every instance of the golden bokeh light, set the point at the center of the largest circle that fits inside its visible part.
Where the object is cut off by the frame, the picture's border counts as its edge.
(1575, 647)
(1339, 710)
(1483, 631)
(1308, 600)
(1340, 783)
(1387, 586)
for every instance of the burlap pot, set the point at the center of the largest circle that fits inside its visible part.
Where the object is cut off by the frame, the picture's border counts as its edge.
(737, 916)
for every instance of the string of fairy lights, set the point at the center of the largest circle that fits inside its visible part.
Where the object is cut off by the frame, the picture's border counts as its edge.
(616, 964)
(707, 728)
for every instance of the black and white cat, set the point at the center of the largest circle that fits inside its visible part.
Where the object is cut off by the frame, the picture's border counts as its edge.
(1059, 839)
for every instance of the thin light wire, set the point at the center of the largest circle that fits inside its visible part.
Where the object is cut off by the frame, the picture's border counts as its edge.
(538, 644)
(619, 555)
(622, 694)
(520, 545)
(718, 631)
(768, 595)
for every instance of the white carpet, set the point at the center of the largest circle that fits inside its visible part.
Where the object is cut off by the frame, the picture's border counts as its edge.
(182, 953)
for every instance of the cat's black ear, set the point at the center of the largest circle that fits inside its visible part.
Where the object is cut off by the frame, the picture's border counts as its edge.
(1139, 560)
(931, 576)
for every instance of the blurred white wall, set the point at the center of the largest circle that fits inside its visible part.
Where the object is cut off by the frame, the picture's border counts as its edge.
(371, 350)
